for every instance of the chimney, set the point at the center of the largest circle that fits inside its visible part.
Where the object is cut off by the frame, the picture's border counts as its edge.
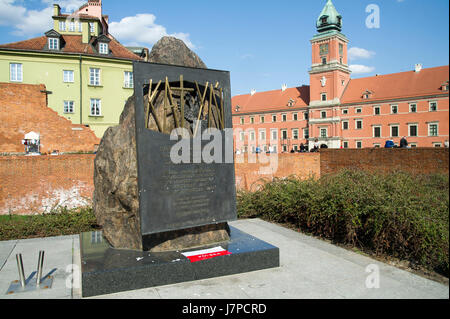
(418, 67)
(56, 10)
(283, 87)
(252, 92)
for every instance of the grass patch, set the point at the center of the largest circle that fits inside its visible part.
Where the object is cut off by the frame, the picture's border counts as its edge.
(400, 215)
(60, 222)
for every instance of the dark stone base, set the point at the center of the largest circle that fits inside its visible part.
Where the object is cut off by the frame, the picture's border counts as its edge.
(106, 270)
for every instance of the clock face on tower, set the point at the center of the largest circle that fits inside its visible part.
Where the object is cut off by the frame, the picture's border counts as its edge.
(324, 49)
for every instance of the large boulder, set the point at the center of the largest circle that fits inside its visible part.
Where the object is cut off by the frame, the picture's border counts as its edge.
(116, 199)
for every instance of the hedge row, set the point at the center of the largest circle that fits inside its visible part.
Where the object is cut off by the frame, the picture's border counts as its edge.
(400, 215)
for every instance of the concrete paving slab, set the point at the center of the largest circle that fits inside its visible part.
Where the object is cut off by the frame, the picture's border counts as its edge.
(310, 269)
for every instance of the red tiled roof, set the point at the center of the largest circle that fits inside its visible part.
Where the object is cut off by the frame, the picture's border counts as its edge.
(73, 44)
(79, 15)
(397, 85)
(271, 100)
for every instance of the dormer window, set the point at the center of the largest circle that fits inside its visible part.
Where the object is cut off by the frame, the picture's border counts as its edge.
(291, 103)
(444, 86)
(324, 20)
(53, 40)
(367, 95)
(103, 48)
(53, 44)
(237, 108)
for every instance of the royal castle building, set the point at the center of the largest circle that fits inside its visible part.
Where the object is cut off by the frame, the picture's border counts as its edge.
(341, 112)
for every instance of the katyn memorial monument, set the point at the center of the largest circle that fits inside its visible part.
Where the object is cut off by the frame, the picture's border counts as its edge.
(165, 183)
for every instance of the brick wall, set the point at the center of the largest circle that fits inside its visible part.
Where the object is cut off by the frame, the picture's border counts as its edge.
(23, 108)
(414, 160)
(250, 175)
(35, 184)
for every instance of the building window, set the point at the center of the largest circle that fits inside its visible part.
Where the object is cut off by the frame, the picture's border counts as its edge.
(413, 145)
(103, 48)
(242, 120)
(323, 97)
(394, 131)
(68, 106)
(345, 125)
(53, 44)
(274, 118)
(68, 76)
(341, 62)
(413, 130)
(295, 134)
(323, 114)
(341, 49)
(433, 106)
(274, 134)
(72, 26)
(345, 144)
(94, 77)
(413, 108)
(433, 129)
(359, 124)
(323, 132)
(324, 60)
(345, 112)
(15, 72)
(284, 134)
(306, 133)
(358, 110)
(91, 27)
(394, 109)
(252, 120)
(261, 119)
(376, 145)
(437, 145)
(262, 135)
(128, 79)
(358, 144)
(96, 107)
(80, 27)
(377, 131)
(62, 26)
(295, 117)
(284, 117)
(252, 136)
(306, 116)
(376, 110)
(242, 136)
(285, 148)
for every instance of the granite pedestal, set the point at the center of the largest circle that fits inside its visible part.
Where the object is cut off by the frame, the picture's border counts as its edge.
(106, 270)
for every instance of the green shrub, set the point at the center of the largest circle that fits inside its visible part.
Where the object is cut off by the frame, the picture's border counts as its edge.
(399, 214)
(58, 223)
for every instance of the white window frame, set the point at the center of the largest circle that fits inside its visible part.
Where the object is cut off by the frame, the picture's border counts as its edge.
(326, 132)
(283, 117)
(103, 48)
(62, 25)
(295, 133)
(252, 136)
(128, 79)
(274, 116)
(379, 110)
(429, 106)
(282, 135)
(398, 130)
(295, 116)
(80, 27)
(262, 134)
(322, 113)
(358, 110)
(410, 107)
(242, 120)
(242, 136)
(68, 76)
(16, 72)
(345, 111)
(392, 108)
(417, 129)
(356, 144)
(305, 130)
(322, 95)
(373, 131)
(252, 120)
(72, 26)
(53, 43)
(272, 137)
(262, 119)
(348, 125)
(437, 144)
(345, 144)
(96, 106)
(437, 129)
(94, 76)
(69, 107)
(356, 124)
(91, 27)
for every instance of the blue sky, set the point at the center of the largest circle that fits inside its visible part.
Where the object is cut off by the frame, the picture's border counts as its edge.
(264, 44)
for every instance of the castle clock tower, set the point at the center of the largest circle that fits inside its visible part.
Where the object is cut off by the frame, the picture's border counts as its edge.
(330, 73)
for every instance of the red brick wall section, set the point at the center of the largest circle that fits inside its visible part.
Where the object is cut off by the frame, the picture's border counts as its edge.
(250, 177)
(414, 160)
(36, 184)
(23, 108)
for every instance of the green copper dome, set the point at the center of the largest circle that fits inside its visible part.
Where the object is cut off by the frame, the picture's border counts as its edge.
(329, 18)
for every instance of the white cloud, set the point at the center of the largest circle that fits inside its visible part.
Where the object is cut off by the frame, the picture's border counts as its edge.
(361, 69)
(141, 29)
(359, 53)
(67, 6)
